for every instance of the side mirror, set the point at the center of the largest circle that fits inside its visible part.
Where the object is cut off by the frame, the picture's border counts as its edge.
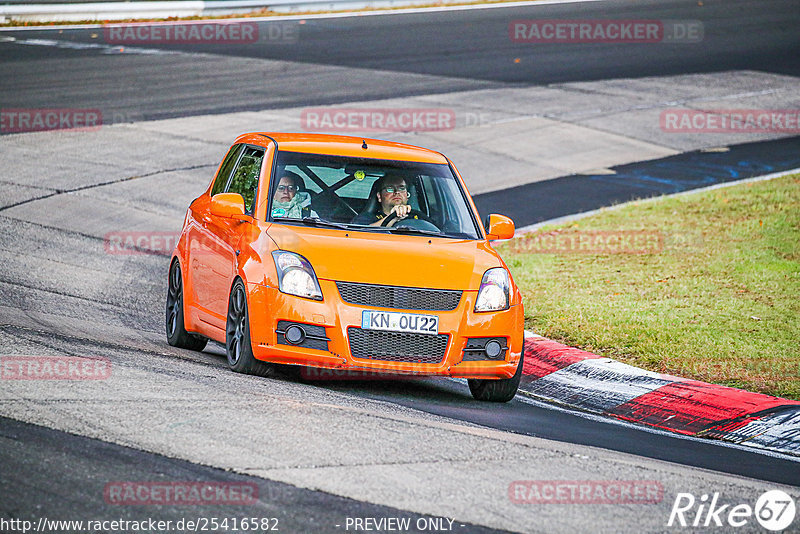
(499, 227)
(229, 205)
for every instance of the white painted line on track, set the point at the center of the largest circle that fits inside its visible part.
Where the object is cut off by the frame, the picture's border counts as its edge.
(105, 48)
(338, 15)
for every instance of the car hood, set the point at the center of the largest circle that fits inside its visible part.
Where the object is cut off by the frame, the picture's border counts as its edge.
(389, 259)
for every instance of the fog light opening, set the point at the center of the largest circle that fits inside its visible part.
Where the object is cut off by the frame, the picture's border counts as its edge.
(294, 335)
(493, 349)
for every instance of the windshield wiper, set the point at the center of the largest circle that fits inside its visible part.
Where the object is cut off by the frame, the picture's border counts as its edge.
(311, 221)
(408, 230)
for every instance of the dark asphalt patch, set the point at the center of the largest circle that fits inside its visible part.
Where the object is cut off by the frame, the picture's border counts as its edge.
(540, 201)
(60, 476)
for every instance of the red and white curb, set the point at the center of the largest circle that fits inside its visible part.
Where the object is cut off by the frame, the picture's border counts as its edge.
(579, 379)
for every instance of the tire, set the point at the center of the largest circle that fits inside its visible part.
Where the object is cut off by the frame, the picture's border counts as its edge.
(177, 336)
(238, 347)
(502, 390)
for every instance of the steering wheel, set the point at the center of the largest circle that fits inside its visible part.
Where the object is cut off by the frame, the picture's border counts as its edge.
(408, 221)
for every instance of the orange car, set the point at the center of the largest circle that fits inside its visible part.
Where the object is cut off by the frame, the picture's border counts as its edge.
(346, 253)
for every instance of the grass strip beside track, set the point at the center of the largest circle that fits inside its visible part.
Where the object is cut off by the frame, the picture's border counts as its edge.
(704, 286)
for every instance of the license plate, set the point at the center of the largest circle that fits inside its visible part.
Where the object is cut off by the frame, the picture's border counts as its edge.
(400, 322)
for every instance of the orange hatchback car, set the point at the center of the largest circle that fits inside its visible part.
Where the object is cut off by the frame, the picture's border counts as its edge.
(346, 253)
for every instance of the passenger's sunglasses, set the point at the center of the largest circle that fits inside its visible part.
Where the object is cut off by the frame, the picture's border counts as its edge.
(399, 189)
(291, 188)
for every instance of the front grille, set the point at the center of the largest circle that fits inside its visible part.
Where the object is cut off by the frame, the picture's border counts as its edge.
(398, 297)
(397, 346)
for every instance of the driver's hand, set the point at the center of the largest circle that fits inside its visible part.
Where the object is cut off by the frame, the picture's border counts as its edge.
(402, 211)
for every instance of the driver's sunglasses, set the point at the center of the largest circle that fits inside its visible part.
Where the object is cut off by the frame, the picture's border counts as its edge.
(399, 189)
(290, 188)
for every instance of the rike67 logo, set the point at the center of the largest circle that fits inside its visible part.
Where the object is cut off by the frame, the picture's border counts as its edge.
(774, 510)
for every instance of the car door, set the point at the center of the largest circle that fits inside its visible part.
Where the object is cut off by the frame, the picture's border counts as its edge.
(218, 239)
(198, 238)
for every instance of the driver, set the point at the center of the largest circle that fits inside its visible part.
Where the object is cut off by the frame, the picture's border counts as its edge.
(392, 199)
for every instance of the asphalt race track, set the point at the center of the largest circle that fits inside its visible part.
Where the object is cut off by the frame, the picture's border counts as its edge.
(321, 453)
(89, 465)
(368, 58)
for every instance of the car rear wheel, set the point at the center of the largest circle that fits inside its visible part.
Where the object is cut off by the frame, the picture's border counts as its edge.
(177, 336)
(502, 390)
(238, 348)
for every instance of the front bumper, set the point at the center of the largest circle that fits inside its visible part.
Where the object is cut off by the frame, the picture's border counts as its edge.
(268, 306)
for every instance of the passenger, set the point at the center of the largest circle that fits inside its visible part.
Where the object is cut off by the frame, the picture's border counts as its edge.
(392, 195)
(289, 201)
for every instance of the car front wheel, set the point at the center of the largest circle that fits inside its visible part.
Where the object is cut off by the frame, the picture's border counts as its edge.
(237, 336)
(502, 390)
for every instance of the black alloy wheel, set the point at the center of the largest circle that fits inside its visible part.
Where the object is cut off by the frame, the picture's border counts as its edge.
(177, 336)
(238, 347)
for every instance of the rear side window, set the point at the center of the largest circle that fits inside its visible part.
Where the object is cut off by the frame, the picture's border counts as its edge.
(225, 170)
(245, 178)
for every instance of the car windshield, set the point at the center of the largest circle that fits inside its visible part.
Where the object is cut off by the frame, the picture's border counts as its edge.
(343, 192)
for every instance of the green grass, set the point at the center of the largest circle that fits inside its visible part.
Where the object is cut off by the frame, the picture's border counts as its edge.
(717, 299)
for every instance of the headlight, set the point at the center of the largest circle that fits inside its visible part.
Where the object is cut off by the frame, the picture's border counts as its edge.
(493, 294)
(295, 275)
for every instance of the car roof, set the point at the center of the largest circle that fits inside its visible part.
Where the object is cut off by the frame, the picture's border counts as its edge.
(341, 145)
